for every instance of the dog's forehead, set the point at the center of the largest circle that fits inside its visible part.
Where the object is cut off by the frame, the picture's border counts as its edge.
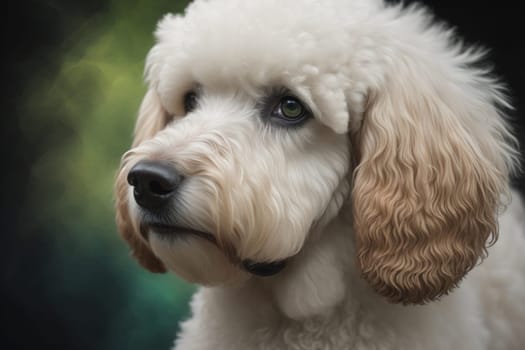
(256, 41)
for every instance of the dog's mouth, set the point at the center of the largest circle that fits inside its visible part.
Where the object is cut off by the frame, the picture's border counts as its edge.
(263, 269)
(176, 231)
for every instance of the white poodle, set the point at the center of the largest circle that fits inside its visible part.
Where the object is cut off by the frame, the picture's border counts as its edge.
(329, 171)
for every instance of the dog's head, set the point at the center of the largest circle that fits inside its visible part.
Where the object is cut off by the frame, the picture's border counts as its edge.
(263, 118)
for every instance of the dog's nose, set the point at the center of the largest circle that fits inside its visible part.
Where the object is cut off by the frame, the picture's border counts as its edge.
(154, 183)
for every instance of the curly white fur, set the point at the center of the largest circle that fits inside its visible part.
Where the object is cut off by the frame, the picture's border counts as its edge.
(387, 197)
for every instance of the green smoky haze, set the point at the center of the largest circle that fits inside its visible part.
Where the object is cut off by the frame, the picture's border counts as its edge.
(75, 286)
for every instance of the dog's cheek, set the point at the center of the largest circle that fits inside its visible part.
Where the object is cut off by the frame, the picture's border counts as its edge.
(312, 285)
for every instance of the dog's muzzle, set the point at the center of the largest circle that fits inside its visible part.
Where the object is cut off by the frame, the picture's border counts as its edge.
(154, 185)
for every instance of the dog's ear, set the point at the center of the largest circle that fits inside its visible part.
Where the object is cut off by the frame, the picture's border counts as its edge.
(433, 158)
(151, 119)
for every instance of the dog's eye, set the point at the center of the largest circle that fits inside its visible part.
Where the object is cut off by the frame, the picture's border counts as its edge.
(290, 111)
(190, 101)
(291, 108)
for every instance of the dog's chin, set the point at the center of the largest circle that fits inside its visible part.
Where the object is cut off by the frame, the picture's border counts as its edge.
(196, 259)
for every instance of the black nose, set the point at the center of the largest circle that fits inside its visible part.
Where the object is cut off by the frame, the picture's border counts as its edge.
(154, 183)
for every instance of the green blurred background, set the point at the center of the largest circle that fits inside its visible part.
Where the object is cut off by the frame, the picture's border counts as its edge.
(70, 282)
(74, 85)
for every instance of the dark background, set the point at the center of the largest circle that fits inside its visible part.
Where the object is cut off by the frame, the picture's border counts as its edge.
(64, 292)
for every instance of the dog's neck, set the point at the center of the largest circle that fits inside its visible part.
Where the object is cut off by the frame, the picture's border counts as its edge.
(315, 282)
(321, 277)
(318, 279)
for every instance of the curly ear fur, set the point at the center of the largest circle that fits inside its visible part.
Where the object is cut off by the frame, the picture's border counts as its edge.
(151, 119)
(435, 155)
